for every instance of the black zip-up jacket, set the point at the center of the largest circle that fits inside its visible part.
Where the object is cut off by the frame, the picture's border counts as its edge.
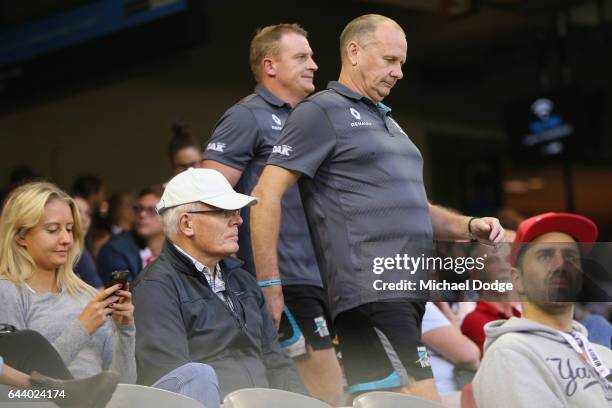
(179, 320)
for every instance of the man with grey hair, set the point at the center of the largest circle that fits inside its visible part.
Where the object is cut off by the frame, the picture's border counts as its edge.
(195, 302)
(365, 201)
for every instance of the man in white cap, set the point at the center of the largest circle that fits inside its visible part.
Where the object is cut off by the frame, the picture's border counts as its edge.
(196, 304)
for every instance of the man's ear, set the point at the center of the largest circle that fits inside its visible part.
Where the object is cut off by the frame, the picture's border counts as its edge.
(517, 281)
(352, 52)
(268, 67)
(184, 225)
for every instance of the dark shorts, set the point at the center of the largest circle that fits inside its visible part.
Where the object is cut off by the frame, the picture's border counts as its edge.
(305, 320)
(381, 345)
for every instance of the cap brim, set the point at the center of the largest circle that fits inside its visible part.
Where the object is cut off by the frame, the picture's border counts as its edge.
(231, 201)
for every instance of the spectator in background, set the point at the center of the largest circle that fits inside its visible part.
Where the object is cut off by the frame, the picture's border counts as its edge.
(86, 267)
(91, 188)
(449, 350)
(544, 358)
(121, 216)
(135, 249)
(40, 239)
(184, 150)
(493, 305)
(599, 328)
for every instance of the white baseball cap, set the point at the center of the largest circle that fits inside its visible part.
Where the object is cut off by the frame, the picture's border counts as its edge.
(205, 185)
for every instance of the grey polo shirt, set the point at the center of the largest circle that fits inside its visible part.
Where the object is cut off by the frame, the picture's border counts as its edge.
(243, 139)
(363, 192)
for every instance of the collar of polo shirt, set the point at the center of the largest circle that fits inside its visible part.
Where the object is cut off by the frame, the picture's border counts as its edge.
(270, 97)
(349, 93)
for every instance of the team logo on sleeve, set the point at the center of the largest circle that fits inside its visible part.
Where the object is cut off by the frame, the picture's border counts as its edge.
(216, 146)
(278, 123)
(283, 150)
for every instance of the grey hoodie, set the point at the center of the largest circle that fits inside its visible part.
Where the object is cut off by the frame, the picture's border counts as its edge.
(527, 364)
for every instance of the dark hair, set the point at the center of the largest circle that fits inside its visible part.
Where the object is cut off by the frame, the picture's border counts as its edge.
(157, 190)
(182, 138)
(114, 204)
(86, 185)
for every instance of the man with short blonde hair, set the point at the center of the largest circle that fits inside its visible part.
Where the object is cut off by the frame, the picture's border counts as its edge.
(281, 60)
(266, 43)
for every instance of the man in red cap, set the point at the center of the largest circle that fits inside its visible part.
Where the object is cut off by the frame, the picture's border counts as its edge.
(545, 357)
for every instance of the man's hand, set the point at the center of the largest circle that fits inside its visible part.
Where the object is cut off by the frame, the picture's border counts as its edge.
(275, 302)
(487, 230)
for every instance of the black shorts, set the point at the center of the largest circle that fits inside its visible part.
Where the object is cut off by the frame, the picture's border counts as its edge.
(381, 345)
(305, 320)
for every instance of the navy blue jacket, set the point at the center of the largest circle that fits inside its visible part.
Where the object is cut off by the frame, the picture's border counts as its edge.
(121, 252)
(86, 269)
(179, 320)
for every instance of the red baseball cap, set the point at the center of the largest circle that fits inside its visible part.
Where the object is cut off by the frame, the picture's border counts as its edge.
(578, 227)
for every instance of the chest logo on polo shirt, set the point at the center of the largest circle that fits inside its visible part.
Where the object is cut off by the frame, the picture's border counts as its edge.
(216, 146)
(278, 122)
(283, 150)
(357, 116)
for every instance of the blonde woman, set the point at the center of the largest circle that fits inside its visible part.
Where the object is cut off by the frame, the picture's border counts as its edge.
(40, 241)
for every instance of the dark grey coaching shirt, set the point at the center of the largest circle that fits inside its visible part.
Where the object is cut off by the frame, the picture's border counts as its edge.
(243, 139)
(363, 193)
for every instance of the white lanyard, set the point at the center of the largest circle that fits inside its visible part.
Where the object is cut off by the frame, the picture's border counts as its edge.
(588, 355)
